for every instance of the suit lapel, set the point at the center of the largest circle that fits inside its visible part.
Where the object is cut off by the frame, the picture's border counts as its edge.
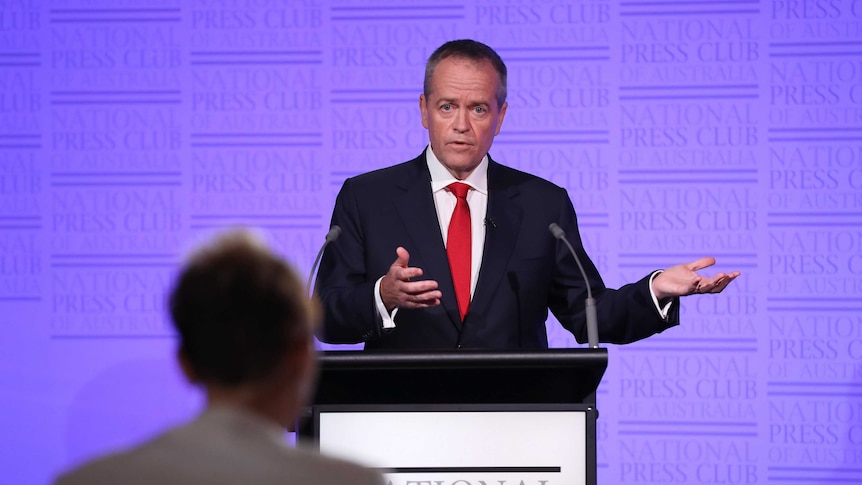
(415, 206)
(500, 236)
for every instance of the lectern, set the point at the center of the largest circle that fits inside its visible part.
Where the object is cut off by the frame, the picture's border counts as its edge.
(469, 416)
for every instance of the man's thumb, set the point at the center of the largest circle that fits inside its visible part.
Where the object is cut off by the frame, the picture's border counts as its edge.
(403, 257)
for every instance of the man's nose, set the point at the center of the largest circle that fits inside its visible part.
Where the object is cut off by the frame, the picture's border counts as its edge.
(461, 124)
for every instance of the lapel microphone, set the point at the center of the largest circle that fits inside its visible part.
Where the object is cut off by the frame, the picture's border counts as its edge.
(490, 222)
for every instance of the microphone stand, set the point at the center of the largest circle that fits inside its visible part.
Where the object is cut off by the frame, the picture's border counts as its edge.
(590, 309)
(331, 236)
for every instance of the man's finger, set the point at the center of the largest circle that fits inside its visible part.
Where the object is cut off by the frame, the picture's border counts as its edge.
(701, 263)
(424, 300)
(423, 304)
(428, 295)
(715, 284)
(404, 274)
(726, 282)
(417, 288)
(720, 287)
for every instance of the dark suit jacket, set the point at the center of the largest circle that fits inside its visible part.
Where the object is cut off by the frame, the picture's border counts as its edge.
(524, 272)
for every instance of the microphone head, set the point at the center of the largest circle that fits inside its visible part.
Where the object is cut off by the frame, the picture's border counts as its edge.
(557, 231)
(333, 233)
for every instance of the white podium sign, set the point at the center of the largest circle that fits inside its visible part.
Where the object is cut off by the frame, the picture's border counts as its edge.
(462, 447)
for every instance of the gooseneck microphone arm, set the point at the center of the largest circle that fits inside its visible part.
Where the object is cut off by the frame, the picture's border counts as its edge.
(590, 309)
(331, 236)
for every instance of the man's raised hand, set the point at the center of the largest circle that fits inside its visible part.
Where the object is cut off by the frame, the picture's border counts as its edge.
(683, 280)
(398, 291)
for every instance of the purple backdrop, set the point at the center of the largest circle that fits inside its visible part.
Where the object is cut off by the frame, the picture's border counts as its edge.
(131, 129)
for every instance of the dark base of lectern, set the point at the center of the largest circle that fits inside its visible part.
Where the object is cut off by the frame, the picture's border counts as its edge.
(358, 389)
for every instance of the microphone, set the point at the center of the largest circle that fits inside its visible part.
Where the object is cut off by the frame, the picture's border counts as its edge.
(331, 236)
(592, 319)
(490, 222)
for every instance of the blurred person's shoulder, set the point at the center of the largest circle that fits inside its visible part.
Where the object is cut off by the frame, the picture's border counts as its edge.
(323, 469)
(200, 453)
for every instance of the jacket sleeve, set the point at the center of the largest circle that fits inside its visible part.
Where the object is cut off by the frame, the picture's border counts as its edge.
(344, 285)
(624, 315)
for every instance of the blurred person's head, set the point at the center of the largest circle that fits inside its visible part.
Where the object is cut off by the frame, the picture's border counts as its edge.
(245, 327)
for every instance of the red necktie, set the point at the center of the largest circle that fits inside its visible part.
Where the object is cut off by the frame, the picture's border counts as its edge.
(459, 246)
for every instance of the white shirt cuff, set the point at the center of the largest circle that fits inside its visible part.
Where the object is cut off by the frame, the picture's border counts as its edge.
(661, 310)
(388, 320)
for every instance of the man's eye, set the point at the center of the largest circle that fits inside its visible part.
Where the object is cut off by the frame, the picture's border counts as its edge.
(479, 110)
(446, 107)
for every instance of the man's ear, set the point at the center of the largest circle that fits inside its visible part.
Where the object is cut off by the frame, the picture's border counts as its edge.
(304, 358)
(502, 116)
(186, 366)
(302, 364)
(423, 108)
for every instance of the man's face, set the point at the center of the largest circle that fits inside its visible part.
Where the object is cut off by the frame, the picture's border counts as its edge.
(461, 113)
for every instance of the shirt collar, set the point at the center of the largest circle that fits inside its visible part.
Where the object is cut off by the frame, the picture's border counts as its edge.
(441, 178)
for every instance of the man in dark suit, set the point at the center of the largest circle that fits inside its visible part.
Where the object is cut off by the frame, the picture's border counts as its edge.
(475, 263)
